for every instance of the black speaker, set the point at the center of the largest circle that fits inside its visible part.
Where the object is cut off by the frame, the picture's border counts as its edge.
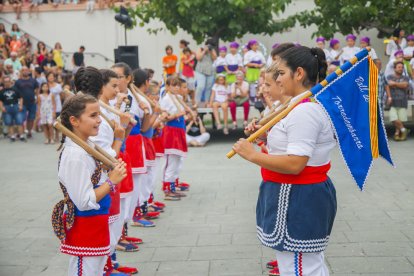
(127, 54)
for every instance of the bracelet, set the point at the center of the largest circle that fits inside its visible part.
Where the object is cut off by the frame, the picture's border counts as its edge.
(111, 184)
(118, 139)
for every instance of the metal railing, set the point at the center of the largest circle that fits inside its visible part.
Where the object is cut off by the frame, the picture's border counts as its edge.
(91, 58)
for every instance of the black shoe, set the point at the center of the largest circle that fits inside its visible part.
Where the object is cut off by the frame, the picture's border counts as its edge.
(23, 139)
(29, 135)
(12, 139)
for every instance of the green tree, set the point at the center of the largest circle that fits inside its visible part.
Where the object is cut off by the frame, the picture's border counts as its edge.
(349, 16)
(219, 19)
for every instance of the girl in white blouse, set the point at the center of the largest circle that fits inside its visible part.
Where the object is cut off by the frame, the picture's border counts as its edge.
(297, 201)
(83, 230)
(219, 99)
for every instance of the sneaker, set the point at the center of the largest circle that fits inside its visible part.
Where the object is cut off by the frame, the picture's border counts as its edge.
(272, 264)
(153, 208)
(397, 137)
(29, 135)
(23, 139)
(182, 188)
(126, 269)
(127, 247)
(152, 215)
(234, 125)
(179, 194)
(159, 204)
(171, 196)
(274, 272)
(12, 139)
(143, 223)
(133, 240)
(116, 272)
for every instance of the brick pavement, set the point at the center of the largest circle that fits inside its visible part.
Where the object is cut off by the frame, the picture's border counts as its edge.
(212, 231)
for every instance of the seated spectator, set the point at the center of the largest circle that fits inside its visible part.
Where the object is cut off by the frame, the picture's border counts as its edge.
(239, 96)
(196, 133)
(17, 7)
(15, 30)
(57, 55)
(11, 104)
(219, 99)
(48, 64)
(41, 52)
(14, 62)
(15, 44)
(34, 6)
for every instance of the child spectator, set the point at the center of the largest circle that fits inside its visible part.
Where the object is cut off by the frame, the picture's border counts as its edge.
(196, 135)
(234, 63)
(365, 42)
(350, 49)
(11, 104)
(335, 52)
(220, 63)
(169, 62)
(46, 112)
(219, 99)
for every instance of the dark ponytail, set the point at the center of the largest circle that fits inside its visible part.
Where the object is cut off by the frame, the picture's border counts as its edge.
(89, 81)
(312, 60)
(107, 75)
(74, 106)
(139, 77)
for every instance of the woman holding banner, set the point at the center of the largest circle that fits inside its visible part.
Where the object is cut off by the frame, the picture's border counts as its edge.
(297, 201)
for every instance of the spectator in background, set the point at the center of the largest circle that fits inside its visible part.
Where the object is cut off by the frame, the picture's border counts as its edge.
(382, 82)
(397, 99)
(196, 134)
(28, 89)
(204, 71)
(320, 43)
(89, 6)
(78, 59)
(11, 104)
(349, 50)
(187, 73)
(183, 44)
(46, 112)
(169, 62)
(366, 42)
(14, 61)
(398, 56)
(41, 52)
(15, 30)
(56, 90)
(409, 50)
(48, 64)
(239, 96)
(253, 61)
(34, 6)
(397, 42)
(335, 51)
(39, 76)
(219, 99)
(57, 55)
(10, 72)
(15, 44)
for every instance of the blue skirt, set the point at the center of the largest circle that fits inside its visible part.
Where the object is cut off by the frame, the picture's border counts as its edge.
(296, 218)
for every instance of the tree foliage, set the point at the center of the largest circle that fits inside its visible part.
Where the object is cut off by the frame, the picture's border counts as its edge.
(224, 19)
(353, 16)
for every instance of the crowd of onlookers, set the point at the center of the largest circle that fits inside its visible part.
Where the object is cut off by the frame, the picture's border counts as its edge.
(33, 5)
(34, 82)
(227, 76)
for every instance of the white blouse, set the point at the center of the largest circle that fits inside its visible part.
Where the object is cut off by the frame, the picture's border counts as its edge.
(348, 53)
(220, 61)
(168, 104)
(305, 131)
(253, 56)
(234, 59)
(221, 93)
(75, 171)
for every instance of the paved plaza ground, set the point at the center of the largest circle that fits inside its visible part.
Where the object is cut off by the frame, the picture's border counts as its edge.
(212, 231)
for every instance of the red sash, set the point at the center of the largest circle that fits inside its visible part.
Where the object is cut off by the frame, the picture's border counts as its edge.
(309, 175)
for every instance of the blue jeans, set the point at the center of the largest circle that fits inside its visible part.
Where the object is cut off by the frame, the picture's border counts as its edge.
(30, 111)
(13, 116)
(204, 85)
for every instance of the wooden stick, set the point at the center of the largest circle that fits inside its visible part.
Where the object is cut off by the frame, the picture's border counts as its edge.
(136, 97)
(91, 150)
(111, 123)
(274, 112)
(176, 103)
(115, 111)
(272, 122)
(189, 110)
(138, 91)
